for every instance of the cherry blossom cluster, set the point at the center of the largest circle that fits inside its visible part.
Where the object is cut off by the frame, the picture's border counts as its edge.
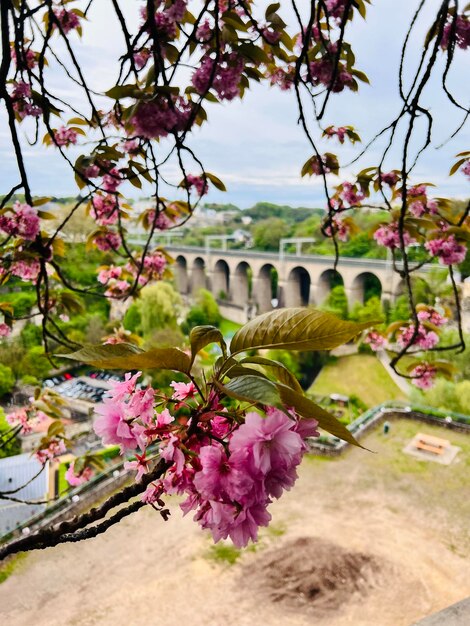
(23, 103)
(388, 235)
(375, 340)
(75, 478)
(424, 375)
(21, 220)
(421, 337)
(229, 465)
(447, 249)
(64, 136)
(67, 20)
(461, 27)
(338, 228)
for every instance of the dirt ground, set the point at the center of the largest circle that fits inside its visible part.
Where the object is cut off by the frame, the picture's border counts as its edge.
(407, 518)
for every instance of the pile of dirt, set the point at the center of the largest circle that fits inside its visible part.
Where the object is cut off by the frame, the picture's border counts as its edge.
(310, 572)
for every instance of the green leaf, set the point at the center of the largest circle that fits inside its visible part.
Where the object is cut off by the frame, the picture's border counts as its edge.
(121, 91)
(201, 336)
(216, 181)
(456, 166)
(126, 356)
(251, 389)
(272, 8)
(308, 409)
(296, 329)
(283, 374)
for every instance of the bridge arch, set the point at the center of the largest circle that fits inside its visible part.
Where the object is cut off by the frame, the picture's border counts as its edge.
(198, 275)
(364, 286)
(298, 287)
(266, 287)
(181, 274)
(326, 282)
(221, 280)
(240, 288)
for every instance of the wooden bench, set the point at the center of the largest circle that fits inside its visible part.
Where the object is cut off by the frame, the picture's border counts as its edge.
(422, 445)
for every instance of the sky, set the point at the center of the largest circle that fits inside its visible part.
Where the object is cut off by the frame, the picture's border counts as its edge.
(255, 145)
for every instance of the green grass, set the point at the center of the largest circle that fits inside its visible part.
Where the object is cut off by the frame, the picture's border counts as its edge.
(224, 553)
(7, 569)
(358, 374)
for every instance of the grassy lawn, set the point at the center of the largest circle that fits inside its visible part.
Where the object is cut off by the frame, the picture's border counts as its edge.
(358, 374)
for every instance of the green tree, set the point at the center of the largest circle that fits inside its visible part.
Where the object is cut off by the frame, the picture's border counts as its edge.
(159, 306)
(268, 233)
(35, 363)
(204, 311)
(337, 302)
(132, 318)
(371, 310)
(7, 379)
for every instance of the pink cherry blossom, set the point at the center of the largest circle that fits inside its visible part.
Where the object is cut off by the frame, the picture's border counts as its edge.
(141, 465)
(461, 28)
(75, 480)
(164, 418)
(199, 182)
(106, 241)
(105, 209)
(466, 169)
(222, 477)
(170, 451)
(27, 270)
(225, 79)
(157, 118)
(447, 249)
(23, 222)
(105, 275)
(64, 136)
(339, 228)
(5, 330)
(141, 404)
(417, 190)
(121, 390)
(68, 20)
(271, 441)
(425, 339)
(55, 447)
(388, 236)
(389, 178)
(375, 340)
(141, 57)
(432, 316)
(113, 427)
(112, 180)
(21, 418)
(424, 375)
(183, 391)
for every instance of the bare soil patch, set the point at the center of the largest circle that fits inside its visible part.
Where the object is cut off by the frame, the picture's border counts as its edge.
(310, 573)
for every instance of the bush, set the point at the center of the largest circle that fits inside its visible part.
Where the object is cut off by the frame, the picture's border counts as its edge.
(7, 379)
(132, 318)
(204, 311)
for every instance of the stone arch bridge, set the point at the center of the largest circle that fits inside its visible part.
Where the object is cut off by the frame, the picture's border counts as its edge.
(248, 282)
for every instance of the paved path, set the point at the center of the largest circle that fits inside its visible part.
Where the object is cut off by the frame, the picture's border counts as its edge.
(402, 383)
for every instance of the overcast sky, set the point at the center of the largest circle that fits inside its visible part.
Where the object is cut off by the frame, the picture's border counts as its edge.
(255, 145)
